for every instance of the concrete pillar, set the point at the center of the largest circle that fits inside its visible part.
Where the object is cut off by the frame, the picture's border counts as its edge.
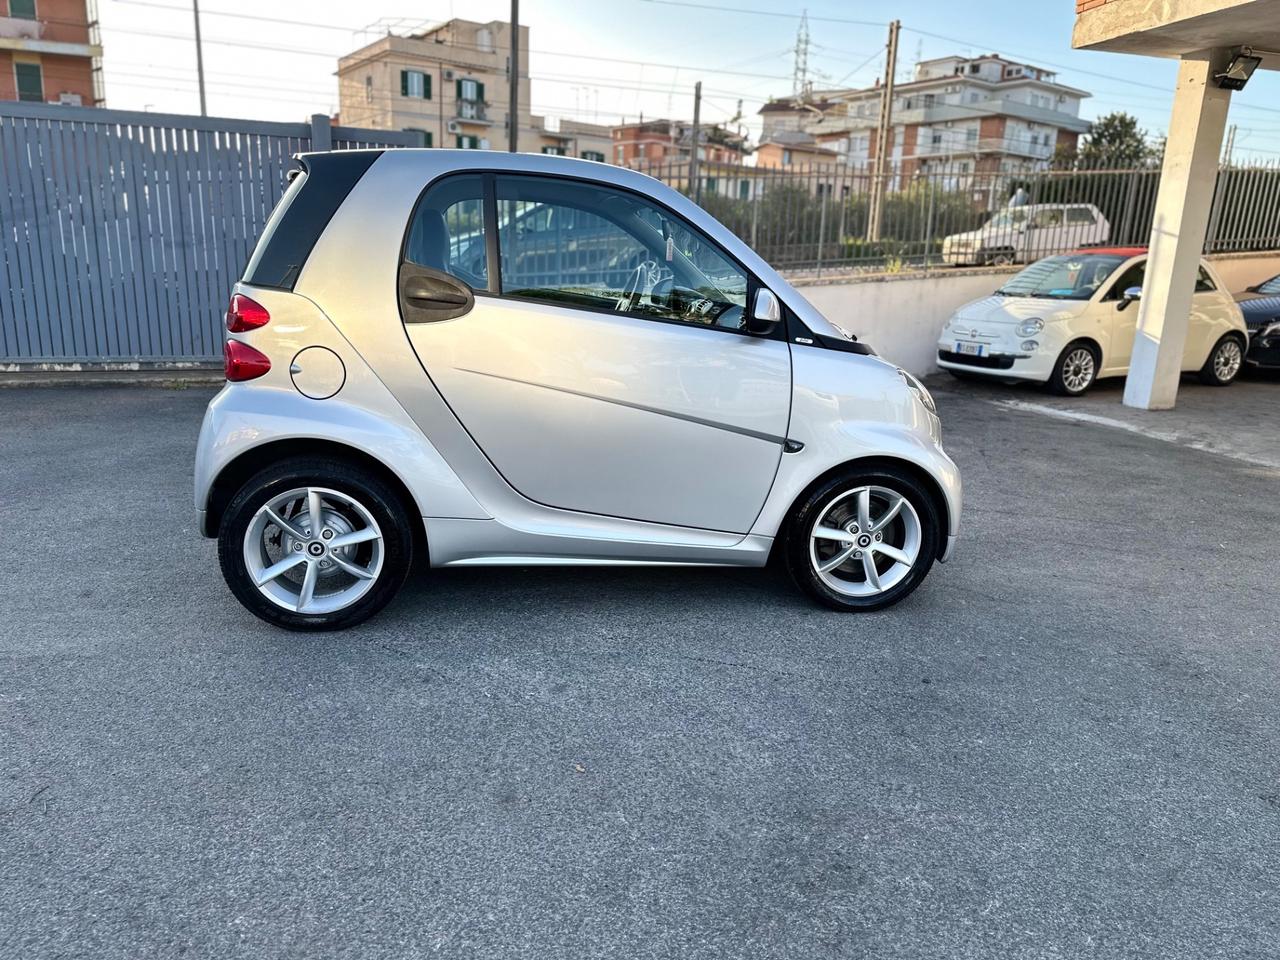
(1178, 230)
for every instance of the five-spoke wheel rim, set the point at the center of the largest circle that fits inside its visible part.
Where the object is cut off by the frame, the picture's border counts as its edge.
(1078, 369)
(313, 550)
(865, 542)
(1227, 360)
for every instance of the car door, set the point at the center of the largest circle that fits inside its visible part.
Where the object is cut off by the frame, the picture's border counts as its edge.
(1210, 319)
(606, 369)
(1123, 317)
(1043, 235)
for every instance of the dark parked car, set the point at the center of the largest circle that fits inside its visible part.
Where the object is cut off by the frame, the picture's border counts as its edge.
(1260, 305)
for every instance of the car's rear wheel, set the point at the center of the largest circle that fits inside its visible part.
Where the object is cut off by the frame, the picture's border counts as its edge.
(315, 545)
(1076, 370)
(1224, 363)
(863, 539)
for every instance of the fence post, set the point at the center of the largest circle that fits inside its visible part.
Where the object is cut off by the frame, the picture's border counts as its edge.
(321, 132)
(822, 227)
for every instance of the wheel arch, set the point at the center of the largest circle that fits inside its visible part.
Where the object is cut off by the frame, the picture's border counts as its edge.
(238, 470)
(1089, 341)
(918, 473)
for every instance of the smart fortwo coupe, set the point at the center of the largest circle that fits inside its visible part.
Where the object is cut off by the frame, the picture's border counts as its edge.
(484, 358)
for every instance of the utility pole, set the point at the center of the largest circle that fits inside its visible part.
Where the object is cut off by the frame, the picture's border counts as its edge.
(195, 8)
(697, 136)
(800, 76)
(884, 137)
(513, 115)
(1231, 146)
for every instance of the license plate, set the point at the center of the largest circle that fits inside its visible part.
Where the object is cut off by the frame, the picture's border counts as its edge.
(970, 349)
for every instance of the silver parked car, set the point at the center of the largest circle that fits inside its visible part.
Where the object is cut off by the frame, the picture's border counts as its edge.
(486, 358)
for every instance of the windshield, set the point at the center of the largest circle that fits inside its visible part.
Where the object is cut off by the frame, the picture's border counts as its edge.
(1008, 218)
(1068, 277)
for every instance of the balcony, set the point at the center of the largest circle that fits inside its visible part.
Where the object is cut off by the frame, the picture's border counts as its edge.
(33, 36)
(473, 111)
(1014, 146)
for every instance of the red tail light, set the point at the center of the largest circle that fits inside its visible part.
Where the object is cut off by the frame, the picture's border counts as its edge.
(245, 314)
(241, 362)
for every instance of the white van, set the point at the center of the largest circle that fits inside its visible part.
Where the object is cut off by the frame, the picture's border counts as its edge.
(1024, 234)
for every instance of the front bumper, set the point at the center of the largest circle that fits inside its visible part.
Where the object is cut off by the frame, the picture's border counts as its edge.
(999, 363)
(949, 550)
(1264, 352)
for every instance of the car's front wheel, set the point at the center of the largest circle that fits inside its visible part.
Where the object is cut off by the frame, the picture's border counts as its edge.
(863, 539)
(1224, 362)
(315, 545)
(1075, 371)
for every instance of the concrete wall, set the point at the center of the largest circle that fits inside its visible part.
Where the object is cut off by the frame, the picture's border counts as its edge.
(902, 315)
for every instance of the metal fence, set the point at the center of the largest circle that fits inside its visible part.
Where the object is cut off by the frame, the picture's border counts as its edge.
(816, 218)
(121, 234)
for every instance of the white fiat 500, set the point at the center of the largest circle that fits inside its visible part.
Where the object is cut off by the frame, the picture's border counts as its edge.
(1067, 320)
(486, 358)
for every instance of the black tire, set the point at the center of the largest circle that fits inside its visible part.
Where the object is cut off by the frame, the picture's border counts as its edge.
(370, 491)
(812, 507)
(1214, 375)
(1070, 367)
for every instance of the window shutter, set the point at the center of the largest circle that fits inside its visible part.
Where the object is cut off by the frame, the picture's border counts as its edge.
(404, 83)
(426, 86)
(426, 139)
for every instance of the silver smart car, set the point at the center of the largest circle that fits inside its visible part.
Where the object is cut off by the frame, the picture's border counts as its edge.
(487, 358)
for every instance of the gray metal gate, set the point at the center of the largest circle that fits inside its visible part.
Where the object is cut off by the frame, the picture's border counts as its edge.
(122, 233)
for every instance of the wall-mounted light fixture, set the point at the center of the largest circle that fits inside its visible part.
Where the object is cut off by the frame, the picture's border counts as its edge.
(1239, 70)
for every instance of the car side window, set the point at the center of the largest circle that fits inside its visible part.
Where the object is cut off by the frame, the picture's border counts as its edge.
(1080, 215)
(1270, 286)
(1047, 218)
(1203, 283)
(448, 230)
(1131, 277)
(591, 245)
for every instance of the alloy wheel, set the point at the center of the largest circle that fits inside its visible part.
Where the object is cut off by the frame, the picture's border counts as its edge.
(313, 550)
(1227, 359)
(1078, 369)
(865, 542)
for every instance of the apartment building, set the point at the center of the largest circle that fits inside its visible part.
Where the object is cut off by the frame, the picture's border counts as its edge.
(574, 138)
(967, 114)
(51, 52)
(451, 86)
(652, 142)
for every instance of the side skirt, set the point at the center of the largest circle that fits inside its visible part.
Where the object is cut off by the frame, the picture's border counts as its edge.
(454, 542)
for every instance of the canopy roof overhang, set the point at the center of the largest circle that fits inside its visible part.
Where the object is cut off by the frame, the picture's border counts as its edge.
(1174, 28)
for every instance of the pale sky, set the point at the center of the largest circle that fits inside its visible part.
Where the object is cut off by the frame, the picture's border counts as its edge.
(610, 59)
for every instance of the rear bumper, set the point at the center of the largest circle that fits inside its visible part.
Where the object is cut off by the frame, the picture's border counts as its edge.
(949, 549)
(202, 525)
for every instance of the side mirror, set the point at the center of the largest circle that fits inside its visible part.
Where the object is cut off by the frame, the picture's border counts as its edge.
(1129, 296)
(765, 313)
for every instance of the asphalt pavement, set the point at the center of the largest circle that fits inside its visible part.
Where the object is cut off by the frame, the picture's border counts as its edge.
(1063, 745)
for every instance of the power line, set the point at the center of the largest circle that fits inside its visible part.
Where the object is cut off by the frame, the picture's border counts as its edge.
(766, 13)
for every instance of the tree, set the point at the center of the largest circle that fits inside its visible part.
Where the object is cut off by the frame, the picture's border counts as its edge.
(1115, 141)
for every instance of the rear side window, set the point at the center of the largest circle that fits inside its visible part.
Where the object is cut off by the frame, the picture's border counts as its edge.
(302, 214)
(1079, 215)
(1204, 284)
(448, 232)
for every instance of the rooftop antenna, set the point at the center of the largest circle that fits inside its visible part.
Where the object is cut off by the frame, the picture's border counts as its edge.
(801, 76)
